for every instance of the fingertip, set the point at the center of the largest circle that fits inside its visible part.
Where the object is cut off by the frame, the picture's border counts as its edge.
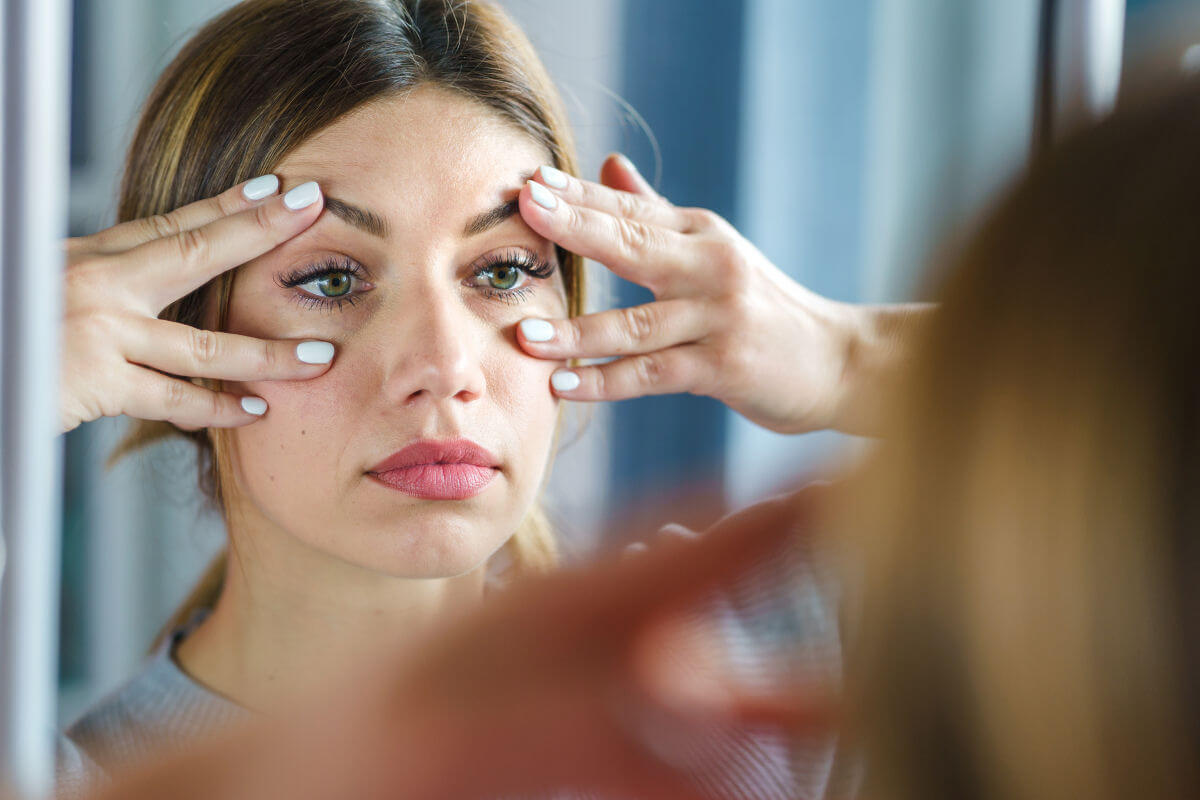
(255, 406)
(260, 188)
(619, 172)
(536, 331)
(535, 215)
(565, 381)
(553, 177)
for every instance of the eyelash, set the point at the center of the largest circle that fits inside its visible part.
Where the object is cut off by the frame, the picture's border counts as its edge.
(527, 262)
(322, 269)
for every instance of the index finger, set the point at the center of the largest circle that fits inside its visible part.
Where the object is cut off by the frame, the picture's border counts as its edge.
(170, 268)
(128, 235)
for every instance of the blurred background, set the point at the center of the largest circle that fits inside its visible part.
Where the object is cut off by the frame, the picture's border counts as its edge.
(846, 139)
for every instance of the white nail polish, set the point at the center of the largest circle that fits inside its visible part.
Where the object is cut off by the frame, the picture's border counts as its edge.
(554, 177)
(314, 352)
(537, 330)
(302, 196)
(542, 196)
(254, 405)
(260, 187)
(564, 381)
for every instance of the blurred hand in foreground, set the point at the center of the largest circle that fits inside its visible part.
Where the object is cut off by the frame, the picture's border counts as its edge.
(546, 687)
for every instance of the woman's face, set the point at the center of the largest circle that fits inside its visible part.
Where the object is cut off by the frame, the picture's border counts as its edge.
(418, 271)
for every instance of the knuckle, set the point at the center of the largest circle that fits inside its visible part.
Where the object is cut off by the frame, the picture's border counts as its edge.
(268, 358)
(635, 238)
(728, 263)
(205, 346)
(80, 273)
(262, 218)
(651, 369)
(228, 203)
(640, 322)
(174, 395)
(162, 225)
(703, 219)
(193, 247)
(629, 205)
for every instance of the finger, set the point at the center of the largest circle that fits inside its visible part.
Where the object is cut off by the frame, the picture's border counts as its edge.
(130, 234)
(183, 350)
(652, 211)
(155, 396)
(650, 255)
(619, 173)
(617, 332)
(675, 572)
(671, 371)
(167, 269)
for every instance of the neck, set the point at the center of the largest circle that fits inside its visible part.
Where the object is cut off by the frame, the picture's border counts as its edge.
(289, 616)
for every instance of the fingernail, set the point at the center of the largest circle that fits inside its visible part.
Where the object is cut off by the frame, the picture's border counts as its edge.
(635, 548)
(564, 381)
(554, 177)
(254, 405)
(261, 187)
(626, 163)
(542, 196)
(314, 352)
(537, 330)
(302, 196)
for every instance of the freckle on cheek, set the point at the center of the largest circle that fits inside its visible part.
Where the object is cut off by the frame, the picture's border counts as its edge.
(302, 431)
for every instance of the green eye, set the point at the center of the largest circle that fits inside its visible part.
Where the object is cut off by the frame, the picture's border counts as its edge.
(334, 284)
(503, 276)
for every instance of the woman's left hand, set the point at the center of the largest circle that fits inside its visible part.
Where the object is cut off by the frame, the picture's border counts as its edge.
(726, 322)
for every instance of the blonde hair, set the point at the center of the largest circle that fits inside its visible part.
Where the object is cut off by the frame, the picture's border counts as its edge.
(1025, 539)
(263, 77)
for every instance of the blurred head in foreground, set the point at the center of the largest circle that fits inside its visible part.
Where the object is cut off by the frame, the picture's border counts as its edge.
(1027, 530)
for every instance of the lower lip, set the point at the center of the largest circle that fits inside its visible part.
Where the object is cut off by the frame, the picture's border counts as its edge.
(438, 481)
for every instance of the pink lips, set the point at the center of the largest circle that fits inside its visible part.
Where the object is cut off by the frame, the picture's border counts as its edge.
(431, 470)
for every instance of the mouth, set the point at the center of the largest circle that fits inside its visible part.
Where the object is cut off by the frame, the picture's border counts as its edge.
(457, 469)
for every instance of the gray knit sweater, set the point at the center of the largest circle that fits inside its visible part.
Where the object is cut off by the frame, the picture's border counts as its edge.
(160, 708)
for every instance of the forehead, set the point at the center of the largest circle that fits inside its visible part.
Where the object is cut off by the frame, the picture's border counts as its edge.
(425, 152)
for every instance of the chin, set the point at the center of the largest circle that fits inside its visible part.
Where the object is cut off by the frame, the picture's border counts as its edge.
(430, 550)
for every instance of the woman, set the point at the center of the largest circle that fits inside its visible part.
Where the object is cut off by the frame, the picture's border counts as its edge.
(364, 503)
(1025, 539)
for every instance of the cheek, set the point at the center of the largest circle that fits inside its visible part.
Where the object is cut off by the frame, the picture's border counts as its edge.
(302, 439)
(520, 388)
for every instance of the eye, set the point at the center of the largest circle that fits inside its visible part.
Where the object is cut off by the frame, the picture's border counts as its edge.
(331, 284)
(328, 284)
(506, 276)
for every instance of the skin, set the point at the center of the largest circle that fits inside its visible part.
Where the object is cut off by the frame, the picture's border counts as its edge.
(426, 352)
(725, 321)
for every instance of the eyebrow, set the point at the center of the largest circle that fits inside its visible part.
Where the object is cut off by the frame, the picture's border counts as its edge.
(490, 219)
(376, 225)
(360, 218)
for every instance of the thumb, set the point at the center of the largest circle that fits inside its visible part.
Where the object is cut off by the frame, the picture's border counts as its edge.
(618, 172)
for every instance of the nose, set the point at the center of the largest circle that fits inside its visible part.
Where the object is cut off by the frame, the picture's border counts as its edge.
(434, 351)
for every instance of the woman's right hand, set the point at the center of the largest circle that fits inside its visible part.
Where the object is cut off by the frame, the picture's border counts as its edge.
(119, 358)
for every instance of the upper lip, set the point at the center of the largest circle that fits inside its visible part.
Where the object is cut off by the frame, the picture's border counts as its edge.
(430, 451)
